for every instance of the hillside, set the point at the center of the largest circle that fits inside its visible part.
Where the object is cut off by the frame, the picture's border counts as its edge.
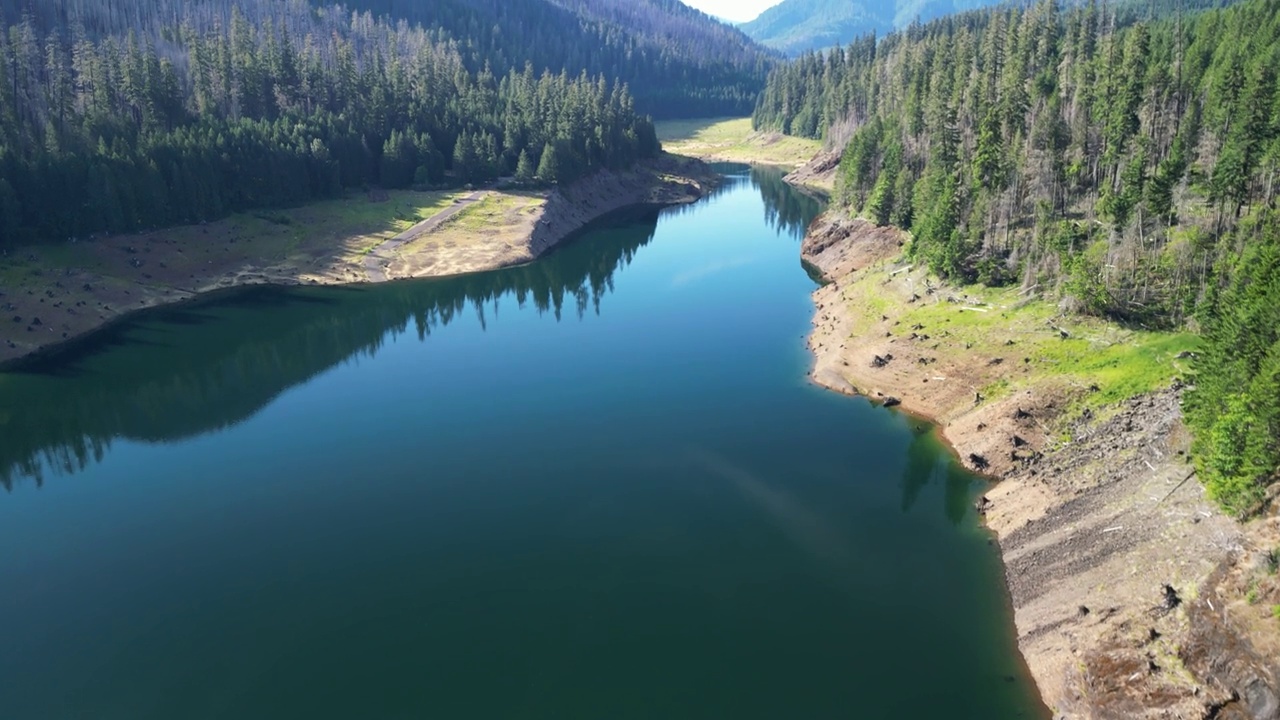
(678, 62)
(189, 112)
(795, 26)
(1122, 170)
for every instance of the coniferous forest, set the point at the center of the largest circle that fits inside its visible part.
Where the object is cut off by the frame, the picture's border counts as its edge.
(200, 109)
(1127, 168)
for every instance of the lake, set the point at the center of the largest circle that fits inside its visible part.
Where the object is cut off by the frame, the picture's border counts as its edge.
(596, 486)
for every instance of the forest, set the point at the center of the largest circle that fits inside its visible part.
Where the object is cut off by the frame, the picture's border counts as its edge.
(212, 108)
(1126, 167)
(677, 61)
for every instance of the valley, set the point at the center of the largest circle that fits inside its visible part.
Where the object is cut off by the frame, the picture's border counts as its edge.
(482, 358)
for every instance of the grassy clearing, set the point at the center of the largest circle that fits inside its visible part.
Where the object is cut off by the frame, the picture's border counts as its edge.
(365, 223)
(342, 228)
(707, 130)
(733, 140)
(1018, 343)
(495, 210)
(489, 211)
(350, 225)
(1120, 362)
(401, 211)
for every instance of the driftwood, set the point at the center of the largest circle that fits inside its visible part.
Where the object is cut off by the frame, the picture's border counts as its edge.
(1177, 487)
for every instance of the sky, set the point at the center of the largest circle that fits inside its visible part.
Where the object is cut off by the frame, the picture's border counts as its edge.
(734, 10)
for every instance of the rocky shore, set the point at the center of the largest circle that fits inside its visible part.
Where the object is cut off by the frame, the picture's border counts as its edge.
(1134, 596)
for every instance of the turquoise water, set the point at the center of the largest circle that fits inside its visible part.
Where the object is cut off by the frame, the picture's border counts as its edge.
(598, 486)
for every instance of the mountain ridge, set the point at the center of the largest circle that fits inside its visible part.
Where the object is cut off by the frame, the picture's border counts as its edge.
(796, 26)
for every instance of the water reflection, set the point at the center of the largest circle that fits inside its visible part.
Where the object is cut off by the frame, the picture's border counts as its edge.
(188, 371)
(787, 209)
(928, 462)
(192, 370)
(921, 468)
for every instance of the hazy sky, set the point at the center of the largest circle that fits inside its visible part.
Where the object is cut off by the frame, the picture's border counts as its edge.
(735, 10)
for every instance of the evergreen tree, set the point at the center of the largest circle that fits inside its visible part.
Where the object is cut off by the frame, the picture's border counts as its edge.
(525, 170)
(549, 169)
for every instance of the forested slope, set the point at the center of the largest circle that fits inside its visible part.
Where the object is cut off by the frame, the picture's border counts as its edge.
(1129, 169)
(677, 61)
(200, 109)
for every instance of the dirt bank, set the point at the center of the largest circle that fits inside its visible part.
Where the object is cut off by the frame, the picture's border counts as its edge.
(54, 294)
(819, 172)
(1130, 589)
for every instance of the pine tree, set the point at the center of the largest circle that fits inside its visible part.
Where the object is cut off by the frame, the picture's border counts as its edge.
(464, 158)
(549, 169)
(525, 170)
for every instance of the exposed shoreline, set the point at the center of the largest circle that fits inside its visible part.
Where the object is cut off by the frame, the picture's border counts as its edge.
(733, 140)
(1094, 515)
(58, 309)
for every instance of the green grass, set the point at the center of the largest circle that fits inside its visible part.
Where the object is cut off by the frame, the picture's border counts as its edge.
(984, 324)
(733, 139)
(370, 223)
(715, 130)
(282, 232)
(1120, 362)
(1275, 611)
(351, 224)
(488, 212)
(12, 274)
(401, 211)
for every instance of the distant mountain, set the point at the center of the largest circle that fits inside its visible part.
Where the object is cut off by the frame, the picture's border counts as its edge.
(795, 26)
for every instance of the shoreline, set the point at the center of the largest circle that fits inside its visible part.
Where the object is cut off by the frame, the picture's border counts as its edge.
(518, 229)
(1093, 512)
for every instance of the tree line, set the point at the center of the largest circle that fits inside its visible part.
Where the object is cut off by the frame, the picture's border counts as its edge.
(1125, 164)
(677, 61)
(258, 103)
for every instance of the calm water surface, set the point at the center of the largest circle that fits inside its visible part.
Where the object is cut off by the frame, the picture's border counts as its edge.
(597, 486)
